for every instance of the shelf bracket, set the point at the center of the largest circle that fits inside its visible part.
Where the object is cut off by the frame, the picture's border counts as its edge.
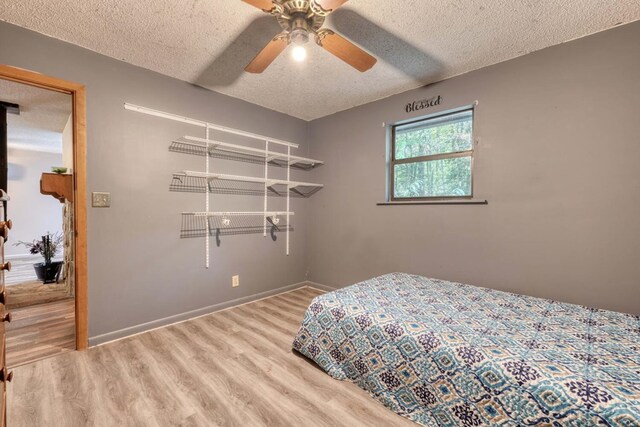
(59, 186)
(273, 190)
(293, 189)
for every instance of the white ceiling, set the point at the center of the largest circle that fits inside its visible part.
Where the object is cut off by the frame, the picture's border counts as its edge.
(208, 42)
(43, 116)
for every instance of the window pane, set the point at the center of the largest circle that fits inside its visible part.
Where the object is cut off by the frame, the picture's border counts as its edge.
(440, 135)
(436, 178)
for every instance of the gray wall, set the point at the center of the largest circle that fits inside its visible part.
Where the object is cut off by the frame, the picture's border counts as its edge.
(139, 269)
(32, 213)
(557, 159)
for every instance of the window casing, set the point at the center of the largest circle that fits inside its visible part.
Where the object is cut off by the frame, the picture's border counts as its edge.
(432, 158)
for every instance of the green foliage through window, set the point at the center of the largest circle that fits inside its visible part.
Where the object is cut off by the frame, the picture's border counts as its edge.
(434, 157)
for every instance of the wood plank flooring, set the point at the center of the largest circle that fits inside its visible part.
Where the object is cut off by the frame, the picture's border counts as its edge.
(40, 331)
(33, 293)
(231, 368)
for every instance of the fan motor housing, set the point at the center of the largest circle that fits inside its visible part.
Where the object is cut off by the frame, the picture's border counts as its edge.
(299, 19)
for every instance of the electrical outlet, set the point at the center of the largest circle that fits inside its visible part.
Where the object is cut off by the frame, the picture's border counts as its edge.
(235, 281)
(100, 200)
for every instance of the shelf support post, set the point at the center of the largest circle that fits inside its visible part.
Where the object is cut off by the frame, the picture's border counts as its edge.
(206, 202)
(288, 194)
(266, 183)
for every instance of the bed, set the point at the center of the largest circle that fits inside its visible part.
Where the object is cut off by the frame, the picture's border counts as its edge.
(448, 354)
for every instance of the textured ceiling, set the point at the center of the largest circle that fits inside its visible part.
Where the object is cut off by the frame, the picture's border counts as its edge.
(43, 116)
(208, 42)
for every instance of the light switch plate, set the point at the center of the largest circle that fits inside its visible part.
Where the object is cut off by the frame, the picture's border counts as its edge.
(100, 200)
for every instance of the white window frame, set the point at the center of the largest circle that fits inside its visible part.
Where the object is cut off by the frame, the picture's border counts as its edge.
(392, 161)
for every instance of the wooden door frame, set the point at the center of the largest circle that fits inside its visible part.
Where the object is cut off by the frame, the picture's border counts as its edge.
(78, 95)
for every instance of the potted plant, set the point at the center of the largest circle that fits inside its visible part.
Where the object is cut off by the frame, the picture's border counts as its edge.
(47, 271)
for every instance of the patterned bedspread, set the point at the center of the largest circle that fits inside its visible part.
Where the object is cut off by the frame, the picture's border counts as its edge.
(447, 354)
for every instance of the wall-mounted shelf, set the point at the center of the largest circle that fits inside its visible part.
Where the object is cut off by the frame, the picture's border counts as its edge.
(59, 186)
(218, 224)
(209, 224)
(223, 150)
(199, 182)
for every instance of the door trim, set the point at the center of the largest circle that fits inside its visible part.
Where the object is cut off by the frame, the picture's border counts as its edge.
(78, 94)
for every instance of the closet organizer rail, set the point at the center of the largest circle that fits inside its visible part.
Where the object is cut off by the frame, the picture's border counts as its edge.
(205, 125)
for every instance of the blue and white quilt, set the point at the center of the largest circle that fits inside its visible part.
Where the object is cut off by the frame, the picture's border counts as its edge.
(447, 354)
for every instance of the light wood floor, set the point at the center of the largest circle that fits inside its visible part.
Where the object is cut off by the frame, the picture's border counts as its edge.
(234, 367)
(40, 331)
(22, 269)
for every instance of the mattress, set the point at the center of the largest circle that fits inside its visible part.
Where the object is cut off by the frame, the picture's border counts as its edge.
(449, 354)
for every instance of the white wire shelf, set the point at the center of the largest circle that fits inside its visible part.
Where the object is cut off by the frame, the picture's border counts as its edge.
(204, 147)
(218, 224)
(242, 178)
(229, 214)
(201, 182)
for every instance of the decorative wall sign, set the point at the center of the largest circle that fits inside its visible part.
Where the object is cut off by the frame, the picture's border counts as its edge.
(423, 104)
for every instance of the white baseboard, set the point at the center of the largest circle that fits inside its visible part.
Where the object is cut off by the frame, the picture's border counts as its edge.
(159, 323)
(320, 287)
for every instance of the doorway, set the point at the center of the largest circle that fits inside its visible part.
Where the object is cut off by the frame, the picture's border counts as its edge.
(46, 180)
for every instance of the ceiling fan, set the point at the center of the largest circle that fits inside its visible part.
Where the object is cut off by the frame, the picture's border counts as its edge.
(299, 20)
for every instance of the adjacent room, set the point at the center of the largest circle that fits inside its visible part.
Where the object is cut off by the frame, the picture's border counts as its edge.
(39, 287)
(320, 213)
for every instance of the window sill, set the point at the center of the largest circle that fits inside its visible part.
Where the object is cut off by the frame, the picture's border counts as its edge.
(435, 202)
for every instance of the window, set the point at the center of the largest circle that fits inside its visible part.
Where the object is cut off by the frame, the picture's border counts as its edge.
(432, 158)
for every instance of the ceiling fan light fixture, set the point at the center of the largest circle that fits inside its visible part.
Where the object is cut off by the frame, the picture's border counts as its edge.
(298, 37)
(300, 20)
(299, 53)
